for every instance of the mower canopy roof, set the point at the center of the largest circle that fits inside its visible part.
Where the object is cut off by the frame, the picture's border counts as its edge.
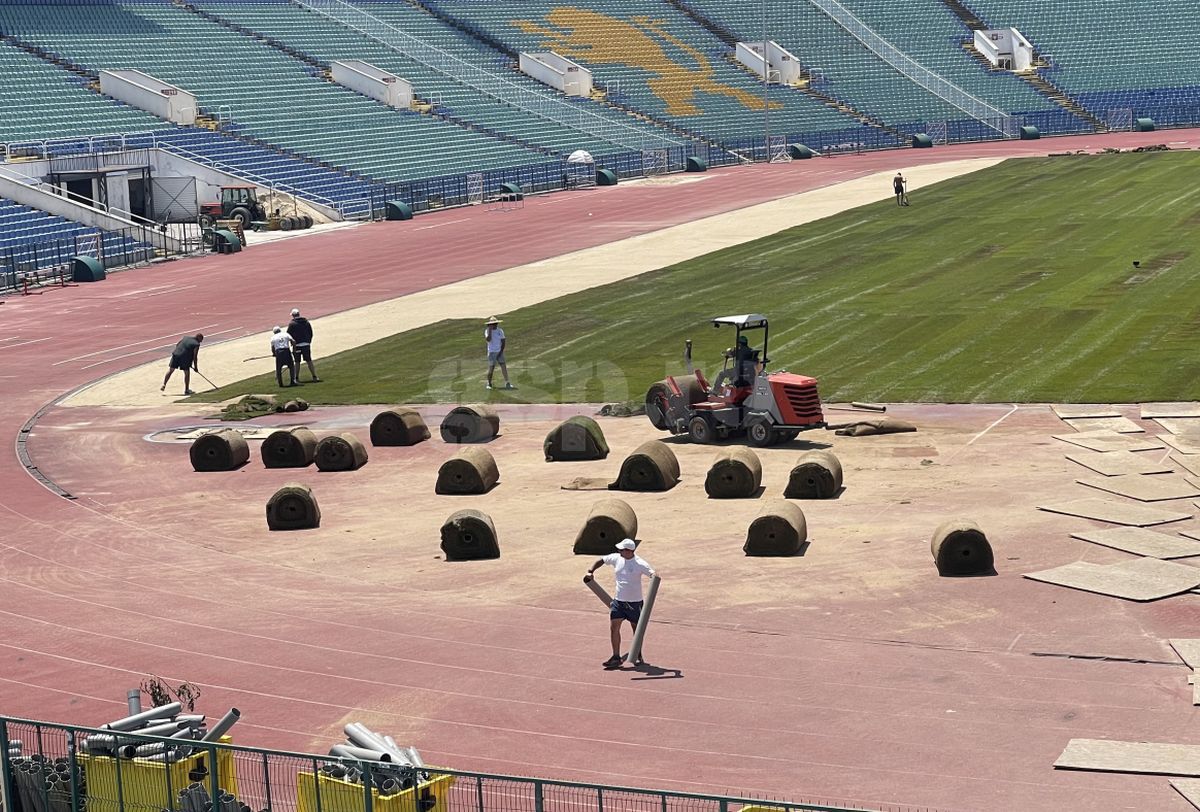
(748, 321)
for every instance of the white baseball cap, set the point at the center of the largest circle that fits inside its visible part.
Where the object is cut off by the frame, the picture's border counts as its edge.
(627, 544)
(295, 311)
(277, 329)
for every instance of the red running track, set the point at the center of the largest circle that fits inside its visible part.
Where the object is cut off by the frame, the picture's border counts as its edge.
(73, 635)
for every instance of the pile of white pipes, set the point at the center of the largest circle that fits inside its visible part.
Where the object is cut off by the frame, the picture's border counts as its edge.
(394, 768)
(41, 784)
(167, 721)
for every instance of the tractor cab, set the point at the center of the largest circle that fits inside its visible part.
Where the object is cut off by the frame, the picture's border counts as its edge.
(237, 203)
(743, 361)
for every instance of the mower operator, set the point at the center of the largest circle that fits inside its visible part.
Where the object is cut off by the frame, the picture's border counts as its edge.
(745, 363)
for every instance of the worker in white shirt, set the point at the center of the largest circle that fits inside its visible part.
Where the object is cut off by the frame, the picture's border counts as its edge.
(494, 336)
(629, 569)
(282, 347)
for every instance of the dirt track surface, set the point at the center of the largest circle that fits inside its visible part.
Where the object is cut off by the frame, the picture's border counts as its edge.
(853, 673)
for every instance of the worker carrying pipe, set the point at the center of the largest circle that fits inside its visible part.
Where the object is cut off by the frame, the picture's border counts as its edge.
(628, 604)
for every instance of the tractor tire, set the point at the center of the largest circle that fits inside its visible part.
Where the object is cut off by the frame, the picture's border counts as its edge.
(242, 214)
(759, 432)
(787, 435)
(206, 221)
(306, 221)
(700, 430)
(286, 223)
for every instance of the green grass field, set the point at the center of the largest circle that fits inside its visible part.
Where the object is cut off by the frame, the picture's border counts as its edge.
(1012, 284)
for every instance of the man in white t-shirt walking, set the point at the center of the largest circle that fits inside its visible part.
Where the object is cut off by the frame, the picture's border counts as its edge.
(627, 603)
(494, 336)
(282, 346)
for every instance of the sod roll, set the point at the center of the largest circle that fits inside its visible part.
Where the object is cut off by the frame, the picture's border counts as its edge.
(470, 424)
(817, 475)
(661, 401)
(736, 473)
(293, 507)
(778, 530)
(576, 438)
(470, 472)
(884, 425)
(651, 467)
(960, 548)
(398, 427)
(223, 450)
(609, 521)
(469, 535)
(289, 448)
(340, 452)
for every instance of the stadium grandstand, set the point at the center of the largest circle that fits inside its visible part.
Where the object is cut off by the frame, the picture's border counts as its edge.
(669, 81)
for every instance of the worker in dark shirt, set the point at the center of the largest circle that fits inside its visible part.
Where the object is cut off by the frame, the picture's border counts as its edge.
(185, 356)
(301, 332)
(745, 363)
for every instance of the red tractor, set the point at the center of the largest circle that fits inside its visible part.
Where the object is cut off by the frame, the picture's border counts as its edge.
(237, 203)
(770, 407)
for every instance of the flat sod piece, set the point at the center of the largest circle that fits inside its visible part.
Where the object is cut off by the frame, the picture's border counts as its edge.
(1189, 788)
(1150, 758)
(1141, 579)
(1121, 425)
(1140, 541)
(1188, 650)
(1072, 411)
(1108, 510)
(1144, 488)
(1179, 425)
(1156, 410)
(1188, 462)
(1107, 440)
(1116, 463)
(1183, 443)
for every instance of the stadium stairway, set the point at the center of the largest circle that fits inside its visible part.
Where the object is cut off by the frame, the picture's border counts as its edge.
(1033, 78)
(731, 39)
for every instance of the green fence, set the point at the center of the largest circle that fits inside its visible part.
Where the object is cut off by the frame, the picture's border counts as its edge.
(49, 769)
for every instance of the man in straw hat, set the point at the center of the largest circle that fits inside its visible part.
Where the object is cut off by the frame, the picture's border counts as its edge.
(494, 336)
(627, 602)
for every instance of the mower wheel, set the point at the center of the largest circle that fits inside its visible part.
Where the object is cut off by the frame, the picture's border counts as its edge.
(759, 432)
(700, 430)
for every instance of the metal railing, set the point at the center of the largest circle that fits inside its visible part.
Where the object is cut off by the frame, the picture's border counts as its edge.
(348, 209)
(47, 768)
(36, 263)
(941, 87)
(548, 107)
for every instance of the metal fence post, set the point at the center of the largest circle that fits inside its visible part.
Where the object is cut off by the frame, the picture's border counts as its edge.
(5, 774)
(479, 793)
(120, 785)
(73, 770)
(368, 787)
(214, 773)
(317, 784)
(267, 780)
(539, 799)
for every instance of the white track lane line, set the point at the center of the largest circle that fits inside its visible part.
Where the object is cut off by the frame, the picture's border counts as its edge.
(126, 346)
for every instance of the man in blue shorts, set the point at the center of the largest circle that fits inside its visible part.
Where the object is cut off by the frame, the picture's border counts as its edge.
(627, 603)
